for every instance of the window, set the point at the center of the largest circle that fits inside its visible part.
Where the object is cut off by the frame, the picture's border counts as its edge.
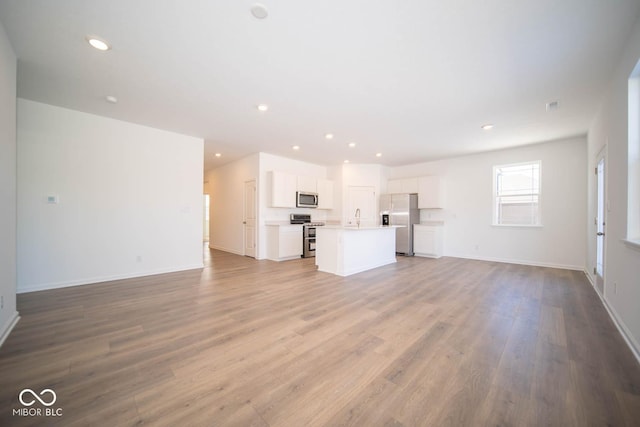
(516, 194)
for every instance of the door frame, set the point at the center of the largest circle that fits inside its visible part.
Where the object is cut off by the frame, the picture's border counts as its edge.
(255, 220)
(599, 276)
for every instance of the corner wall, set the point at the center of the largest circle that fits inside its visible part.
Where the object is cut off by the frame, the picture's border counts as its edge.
(469, 232)
(225, 187)
(8, 64)
(129, 199)
(622, 262)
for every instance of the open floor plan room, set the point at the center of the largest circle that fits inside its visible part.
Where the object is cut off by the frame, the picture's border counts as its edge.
(292, 214)
(245, 342)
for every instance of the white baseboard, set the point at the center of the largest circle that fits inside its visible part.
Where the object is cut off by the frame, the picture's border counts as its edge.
(101, 279)
(8, 327)
(519, 262)
(223, 249)
(590, 279)
(620, 325)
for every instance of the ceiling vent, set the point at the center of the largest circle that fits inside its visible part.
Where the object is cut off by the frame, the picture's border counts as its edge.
(552, 106)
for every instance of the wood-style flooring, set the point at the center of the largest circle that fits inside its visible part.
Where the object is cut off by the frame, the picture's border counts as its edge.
(242, 342)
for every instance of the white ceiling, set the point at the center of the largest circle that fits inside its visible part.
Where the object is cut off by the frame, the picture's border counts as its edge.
(412, 79)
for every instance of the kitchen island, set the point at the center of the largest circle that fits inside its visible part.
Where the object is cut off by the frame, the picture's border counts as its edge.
(349, 250)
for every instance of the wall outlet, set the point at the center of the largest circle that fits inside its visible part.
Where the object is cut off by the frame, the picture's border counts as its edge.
(139, 258)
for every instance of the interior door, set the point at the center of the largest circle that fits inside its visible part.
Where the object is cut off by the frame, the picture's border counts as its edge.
(249, 221)
(600, 222)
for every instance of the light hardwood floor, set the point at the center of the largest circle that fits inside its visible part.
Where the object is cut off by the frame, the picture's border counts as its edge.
(258, 343)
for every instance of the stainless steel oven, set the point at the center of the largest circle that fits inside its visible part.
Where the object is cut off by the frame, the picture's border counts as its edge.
(308, 241)
(308, 233)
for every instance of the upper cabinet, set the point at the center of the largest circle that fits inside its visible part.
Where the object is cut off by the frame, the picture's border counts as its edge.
(325, 194)
(406, 185)
(284, 186)
(308, 184)
(430, 192)
(283, 190)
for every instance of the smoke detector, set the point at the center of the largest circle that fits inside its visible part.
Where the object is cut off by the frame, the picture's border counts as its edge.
(259, 11)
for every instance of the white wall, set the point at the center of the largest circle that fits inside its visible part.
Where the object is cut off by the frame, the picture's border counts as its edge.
(334, 173)
(226, 188)
(8, 313)
(560, 242)
(622, 262)
(130, 199)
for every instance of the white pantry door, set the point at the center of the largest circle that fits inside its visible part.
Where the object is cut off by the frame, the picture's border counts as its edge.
(363, 199)
(249, 220)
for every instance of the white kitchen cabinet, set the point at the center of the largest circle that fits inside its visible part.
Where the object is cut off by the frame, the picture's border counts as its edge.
(283, 190)
(325, 194)
(428, 240)
(430, 192)
(307, 184)
(284, 242)
(405, 185)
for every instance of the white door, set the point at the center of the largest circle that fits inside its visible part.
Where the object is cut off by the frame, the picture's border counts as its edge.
(361, 201)
(205, 221)
(600, 222)
(249, 220)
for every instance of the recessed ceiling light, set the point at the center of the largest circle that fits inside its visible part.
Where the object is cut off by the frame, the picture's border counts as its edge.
(352, 144)
(378, 154)
(112, 99)
(218, 154)
(328, 135)
(346, 161)
(98, 43)
(488, 126)
(296, 147)
(259, 11)
(262, 107)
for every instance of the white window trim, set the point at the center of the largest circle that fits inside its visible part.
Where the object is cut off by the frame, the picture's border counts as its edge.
(494, 195)
(633, 157)
(631, 243)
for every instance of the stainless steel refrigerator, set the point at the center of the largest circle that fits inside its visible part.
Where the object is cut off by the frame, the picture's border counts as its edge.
(401, 209)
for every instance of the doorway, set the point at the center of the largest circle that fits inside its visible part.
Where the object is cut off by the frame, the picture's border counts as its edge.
(249, 219)
(205, 220)
(600, 221)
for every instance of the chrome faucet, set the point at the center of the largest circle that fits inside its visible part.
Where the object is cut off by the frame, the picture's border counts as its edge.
(358, 217)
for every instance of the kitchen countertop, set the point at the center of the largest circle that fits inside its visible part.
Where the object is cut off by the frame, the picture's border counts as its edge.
(356, 228)
(279, 223)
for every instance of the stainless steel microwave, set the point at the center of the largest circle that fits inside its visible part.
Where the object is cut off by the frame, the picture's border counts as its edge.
(306, 200)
